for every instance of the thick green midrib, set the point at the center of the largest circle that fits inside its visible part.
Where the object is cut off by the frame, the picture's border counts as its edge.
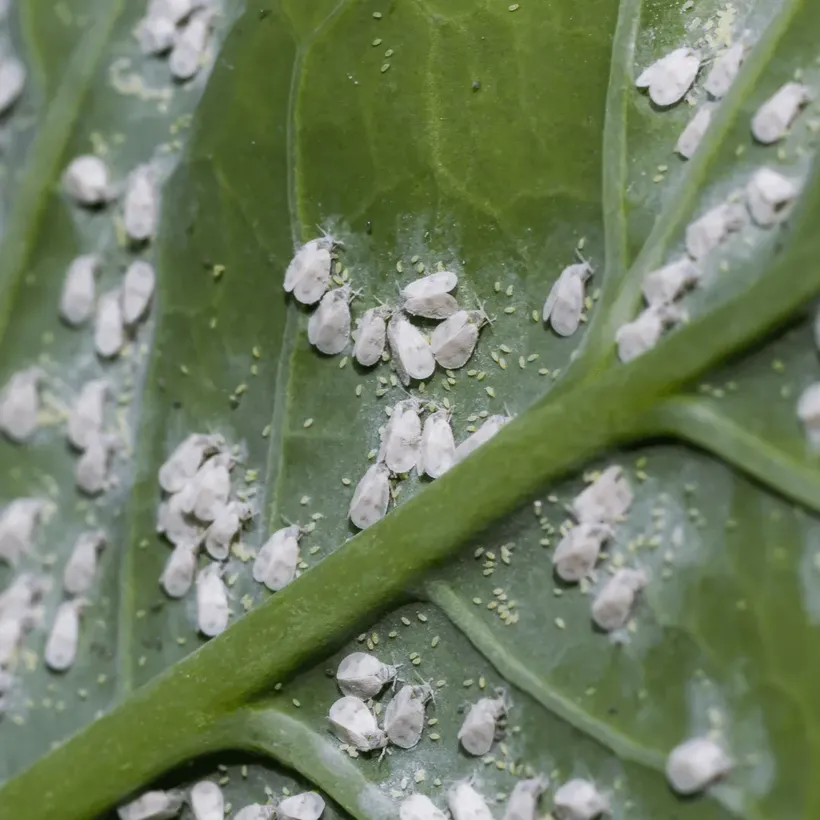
(43, 165)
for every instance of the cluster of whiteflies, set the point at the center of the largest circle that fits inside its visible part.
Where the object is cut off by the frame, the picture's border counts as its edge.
(207, 802)
(764, 202)
(180, 30)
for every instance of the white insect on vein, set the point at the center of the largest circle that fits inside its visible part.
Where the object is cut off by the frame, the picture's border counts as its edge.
(642, 334)
(329, 326)
(189, 49)
(695, 764)
(579, 799)
(140, 209)
(412, 355)
(226, 525)
(724, 70)
(480, 725)
(20, 403)
(671, 77)
(85, 421)
(137, 291)
(61, 646)
(664, 285)
(768, 196)
(404, 715)
(437, 452)
(694, 132)
(109, 326)
(565, 303)
(79, 288)
(613, 604)
(275, 564)
(371, 497)
(211, 601)
(78, 575)
(481, 436)
(363, 675)
(774, 118)
(578, 551)
(353, 723)
(401, 438)
(706, 233)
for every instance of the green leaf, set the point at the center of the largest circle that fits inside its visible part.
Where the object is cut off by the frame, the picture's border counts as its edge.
(497, 141)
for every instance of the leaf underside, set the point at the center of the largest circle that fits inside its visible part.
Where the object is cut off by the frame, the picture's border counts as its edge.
(493, 140)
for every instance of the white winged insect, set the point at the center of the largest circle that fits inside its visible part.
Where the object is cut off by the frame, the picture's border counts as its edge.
(774, 118)
(79, 289)
(22, 594)
(669, 78)
(466, 803)
(137, 290)
(153, 805)
(404, 715)
(411, 351)
(642, 334)
(140, 207)
(437, 452)
(91, 469)
(401, 438)
(565, 303)
(706, 233)
(308, 274)
(224, 528)
(155, 34)
(430, 296)
(206, 494)
(724, 70)
(363, 675)
(109, 326)
(61, 645)
(19, 404)
(808, 411)
(304, 806)
(691, 136)
(607, 499)
(182, 465)
(86, 180)
(256, 811)
(577, 552)
(522, 804)
(696, 764)
(481, 436)
(480, 726)
(207, 801)
(353, 723)
(17, 523)
(329, 326)
(189, 49)
(420, 807)
(78, 575)
(371, 497)
(178, 575)
(613, 604)
(371, 336)
(85, 421)
(579, 799)
(211, 601)
(453, 342)
(175, 523)
(768, 196)
(276, 562)
(666, 284)
(12, 81)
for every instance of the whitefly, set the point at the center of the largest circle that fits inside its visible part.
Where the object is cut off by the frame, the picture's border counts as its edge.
(177, 526)
(437, 452)
(565, 303)
(304, 806)
(206, 494)
(371, 336)
(613, 604)
(207, 801)
(578, 551)
(666, 284)
(724, 70)
(184, 462)
(454, 341)
(353, 723)
(91, 469)
(191, 44)
(256, 811)
(211, 601)
(705, 234)
(18, 521)
(329, 326)
(78, 575)
(696, 764)
(671, 77)
(22, 594)
(156, 34)
(466, 803)
(401, 438)
(137, 291)
(808, 411)
(20, 403)
(109, 325)
(769, 195)
(607, 499)
(774, 118)
(404, 715)
(481, 436)
(480, 725)
(61, 645)
(79, 289)
(643, 333)
(420, 807)
(153, 805)
(276, 562)
(308, 274)
(363, 675)
(436, 283)
(87, 181)
(579, 799)
(225, 527)
(140, 210)
(178, 575)
(692, 135)
(522, 804)
(411, 352)
(85, 421)
(371, 497)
